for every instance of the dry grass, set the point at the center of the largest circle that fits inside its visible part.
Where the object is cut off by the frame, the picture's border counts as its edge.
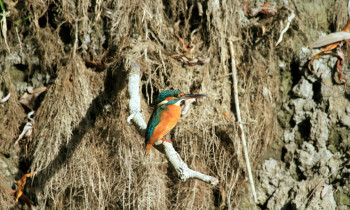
(6, 199)
(87, 156)
(9, 125)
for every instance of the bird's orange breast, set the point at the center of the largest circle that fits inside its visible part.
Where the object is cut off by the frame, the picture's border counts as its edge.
(168, 120)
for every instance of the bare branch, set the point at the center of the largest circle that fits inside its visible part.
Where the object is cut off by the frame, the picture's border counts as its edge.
(134, 103)
(173, 157)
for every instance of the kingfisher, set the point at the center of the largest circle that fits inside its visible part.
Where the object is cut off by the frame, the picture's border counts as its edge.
(165, 116)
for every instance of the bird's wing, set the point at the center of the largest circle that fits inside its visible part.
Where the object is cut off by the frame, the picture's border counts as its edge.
(153, 122)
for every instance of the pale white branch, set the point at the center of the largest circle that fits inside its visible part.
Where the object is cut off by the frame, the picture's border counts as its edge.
(136, 117)
(182, 169)
(134, 102)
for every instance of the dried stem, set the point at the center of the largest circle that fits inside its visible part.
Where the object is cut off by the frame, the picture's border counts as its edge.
(234, 76)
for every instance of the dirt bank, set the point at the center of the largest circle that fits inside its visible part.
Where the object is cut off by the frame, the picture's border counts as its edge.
(86, 155)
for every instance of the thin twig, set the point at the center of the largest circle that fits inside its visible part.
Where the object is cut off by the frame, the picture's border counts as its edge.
(227, 117)
(234, 76)
(146, 37)
(20, 43)
(307, 199)
(161, 58)
(226, 75)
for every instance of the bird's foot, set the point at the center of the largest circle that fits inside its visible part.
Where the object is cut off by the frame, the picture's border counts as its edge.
(166, 140)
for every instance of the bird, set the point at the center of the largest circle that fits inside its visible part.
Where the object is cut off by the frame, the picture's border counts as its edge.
(165, 116)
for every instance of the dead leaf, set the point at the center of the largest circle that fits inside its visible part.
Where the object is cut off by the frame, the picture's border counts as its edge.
(227, 117)
(332, 38)
(245, 8)
(21, 184)
(346, 28)
(268, 10)
(252, 12)
(28, 99)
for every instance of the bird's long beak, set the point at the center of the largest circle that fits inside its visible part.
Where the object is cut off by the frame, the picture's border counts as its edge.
(188, 96)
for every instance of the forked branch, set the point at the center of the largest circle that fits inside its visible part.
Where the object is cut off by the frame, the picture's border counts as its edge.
(173, 157)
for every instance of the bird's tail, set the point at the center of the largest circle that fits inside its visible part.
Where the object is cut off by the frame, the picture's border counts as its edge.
(147, 149)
